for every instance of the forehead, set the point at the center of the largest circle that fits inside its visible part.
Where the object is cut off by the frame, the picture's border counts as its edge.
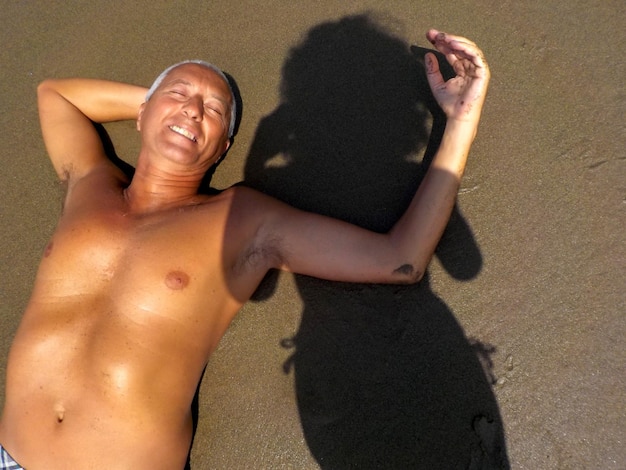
(199, 76)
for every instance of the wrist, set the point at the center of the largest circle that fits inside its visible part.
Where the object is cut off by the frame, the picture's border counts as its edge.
(455, 145)
(462, 128)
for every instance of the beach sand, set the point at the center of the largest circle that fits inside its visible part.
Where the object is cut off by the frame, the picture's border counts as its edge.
(511, 352)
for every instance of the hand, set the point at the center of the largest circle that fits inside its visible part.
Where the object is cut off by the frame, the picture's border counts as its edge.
(461, 97)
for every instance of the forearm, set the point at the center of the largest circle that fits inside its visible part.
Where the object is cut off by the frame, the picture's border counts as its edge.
(416, 235)
(100, 100)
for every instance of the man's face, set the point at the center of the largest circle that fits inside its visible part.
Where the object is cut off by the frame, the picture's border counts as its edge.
(187, 118)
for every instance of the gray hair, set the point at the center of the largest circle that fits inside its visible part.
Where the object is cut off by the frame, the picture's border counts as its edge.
(233, 108)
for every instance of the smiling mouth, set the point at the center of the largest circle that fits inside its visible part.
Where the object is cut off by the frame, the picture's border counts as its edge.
(184, 132)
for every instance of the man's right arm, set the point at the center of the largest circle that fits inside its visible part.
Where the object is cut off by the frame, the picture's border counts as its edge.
(67, 108)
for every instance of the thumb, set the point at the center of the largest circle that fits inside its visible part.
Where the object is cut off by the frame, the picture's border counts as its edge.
(433, 74)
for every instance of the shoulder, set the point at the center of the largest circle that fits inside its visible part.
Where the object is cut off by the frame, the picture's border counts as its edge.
(99, 185)
(245, 193)
(252, 203)
(246, 208)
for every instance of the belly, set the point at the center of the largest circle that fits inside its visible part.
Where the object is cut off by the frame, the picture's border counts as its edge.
(109, 353)
(85, 380)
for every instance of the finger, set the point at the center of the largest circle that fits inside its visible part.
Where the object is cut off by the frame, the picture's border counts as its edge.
(431, 35)
(468, 51)
(435, 36)
(433, 74)
(463, 56)
(455, 46)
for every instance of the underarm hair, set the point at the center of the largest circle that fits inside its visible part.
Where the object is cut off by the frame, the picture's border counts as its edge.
(66, 173)
(259, 254)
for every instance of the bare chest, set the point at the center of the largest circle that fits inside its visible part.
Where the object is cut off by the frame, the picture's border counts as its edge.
(137, 262)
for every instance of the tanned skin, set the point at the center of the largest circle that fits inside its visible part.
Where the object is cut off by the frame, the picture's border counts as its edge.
(141, 278)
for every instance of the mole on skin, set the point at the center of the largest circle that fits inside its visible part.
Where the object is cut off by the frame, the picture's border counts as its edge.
(48, 250)
(405, 269)
(176, 280)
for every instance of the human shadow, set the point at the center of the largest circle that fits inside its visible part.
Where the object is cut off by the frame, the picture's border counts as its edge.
(384, 375)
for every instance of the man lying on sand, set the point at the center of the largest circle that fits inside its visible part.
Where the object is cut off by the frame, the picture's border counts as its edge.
(142, 277)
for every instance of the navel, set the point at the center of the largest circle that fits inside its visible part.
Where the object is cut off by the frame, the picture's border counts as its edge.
(176, 280)
(59, 411)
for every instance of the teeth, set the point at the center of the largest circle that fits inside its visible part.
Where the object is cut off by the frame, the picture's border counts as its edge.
(184, 133)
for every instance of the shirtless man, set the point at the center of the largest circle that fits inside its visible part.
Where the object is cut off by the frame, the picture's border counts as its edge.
(141, 278)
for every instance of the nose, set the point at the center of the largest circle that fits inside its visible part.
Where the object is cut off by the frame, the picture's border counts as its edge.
(193, 108)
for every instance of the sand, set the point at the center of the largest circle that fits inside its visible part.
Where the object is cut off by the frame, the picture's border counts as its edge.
(511, 352)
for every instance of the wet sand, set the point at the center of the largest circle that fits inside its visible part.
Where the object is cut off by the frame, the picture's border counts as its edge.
(510, 352)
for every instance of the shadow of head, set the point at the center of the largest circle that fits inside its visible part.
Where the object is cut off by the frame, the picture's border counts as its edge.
(350, 127)
(358, 91)
(355, 131)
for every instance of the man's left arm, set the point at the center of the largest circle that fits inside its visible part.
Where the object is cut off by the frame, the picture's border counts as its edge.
(331, 249)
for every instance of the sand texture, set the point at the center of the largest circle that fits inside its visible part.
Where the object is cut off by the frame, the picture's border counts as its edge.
(511, 353)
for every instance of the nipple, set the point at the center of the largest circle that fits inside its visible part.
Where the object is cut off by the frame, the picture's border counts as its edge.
(176, 280)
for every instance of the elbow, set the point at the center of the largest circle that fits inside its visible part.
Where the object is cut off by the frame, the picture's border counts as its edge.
(51, 86)
(418, 276)
(45, 89)
(44, 86)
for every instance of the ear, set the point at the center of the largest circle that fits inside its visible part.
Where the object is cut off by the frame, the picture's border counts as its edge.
(139, 115)
(226, 146)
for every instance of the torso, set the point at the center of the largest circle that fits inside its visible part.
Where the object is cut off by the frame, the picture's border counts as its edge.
(125, 312)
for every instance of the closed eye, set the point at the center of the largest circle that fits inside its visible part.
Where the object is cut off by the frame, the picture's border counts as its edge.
(214, 108)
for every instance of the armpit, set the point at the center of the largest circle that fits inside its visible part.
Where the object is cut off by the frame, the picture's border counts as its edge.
(65, 173)
(260, 256)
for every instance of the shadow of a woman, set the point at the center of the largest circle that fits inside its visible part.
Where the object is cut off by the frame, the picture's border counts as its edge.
(385, 377)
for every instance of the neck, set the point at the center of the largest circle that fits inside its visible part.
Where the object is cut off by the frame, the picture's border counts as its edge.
(152, 189)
